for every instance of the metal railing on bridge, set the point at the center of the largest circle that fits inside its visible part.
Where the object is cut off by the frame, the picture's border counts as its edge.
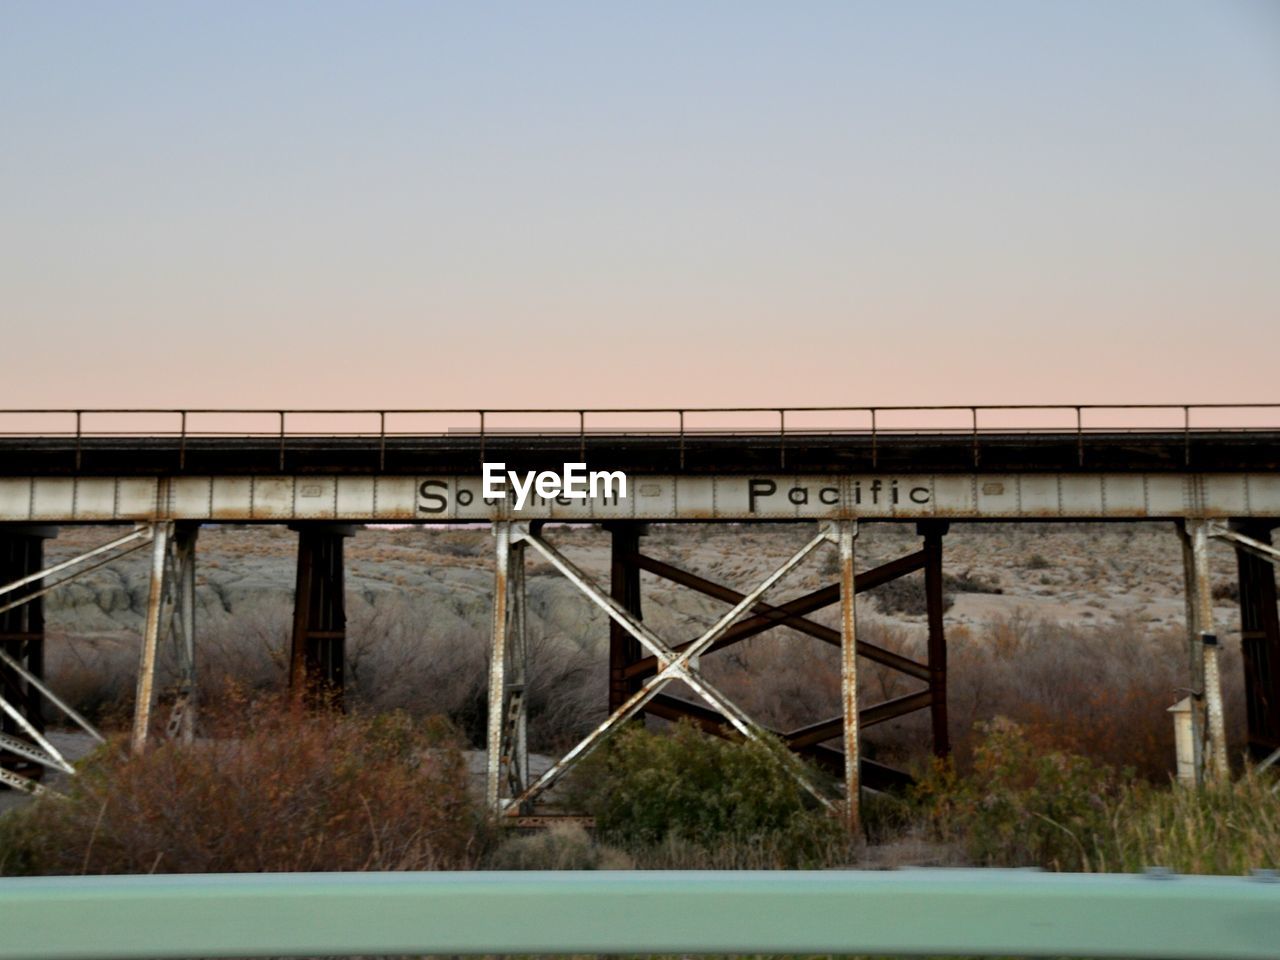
(679, 423)
(909, 912)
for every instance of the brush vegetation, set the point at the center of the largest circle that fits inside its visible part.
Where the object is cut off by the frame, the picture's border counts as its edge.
(280, 791)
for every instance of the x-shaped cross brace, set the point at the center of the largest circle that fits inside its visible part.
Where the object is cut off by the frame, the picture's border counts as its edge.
(671, 665)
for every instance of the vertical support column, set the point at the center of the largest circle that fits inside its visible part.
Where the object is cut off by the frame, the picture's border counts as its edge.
(1207, 724)
(497, 664)
(182, 721)
(847, 530)
(150, 636)
(22, 636)
(517, 699)
(1260, 640)
(933, 532)
(508, 744)
(317, 652)
(624, 649)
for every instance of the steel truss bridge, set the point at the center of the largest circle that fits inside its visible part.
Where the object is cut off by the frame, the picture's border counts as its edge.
(1213, 471)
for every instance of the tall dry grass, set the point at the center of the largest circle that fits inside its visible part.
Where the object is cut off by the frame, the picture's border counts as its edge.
(1227, 828)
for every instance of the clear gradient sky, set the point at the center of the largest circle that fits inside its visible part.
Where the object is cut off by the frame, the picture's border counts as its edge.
(456, 204)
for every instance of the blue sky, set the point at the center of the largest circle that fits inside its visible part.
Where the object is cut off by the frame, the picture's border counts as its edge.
(425, 204)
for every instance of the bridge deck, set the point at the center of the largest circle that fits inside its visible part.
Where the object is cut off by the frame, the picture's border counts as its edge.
(1130, 451)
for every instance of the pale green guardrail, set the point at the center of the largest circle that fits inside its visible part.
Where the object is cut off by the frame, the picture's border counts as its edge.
(910, 912)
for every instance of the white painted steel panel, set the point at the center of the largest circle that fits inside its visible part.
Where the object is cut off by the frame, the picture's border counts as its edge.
(95, 498)
(1080, 495)
(272, 498)
(695, 500)
(395, 498)
(1038, 495)
(954, 496)
(15, 498)
(654, 496)
(1262, 490)
(54, 499)
(191, 497)
(997, 495)
(315, 498)
(1167, 495)
(1224, 495)
(232, 498)
(355, 497)
(137, 498)
(1124, 496)
(730, 495)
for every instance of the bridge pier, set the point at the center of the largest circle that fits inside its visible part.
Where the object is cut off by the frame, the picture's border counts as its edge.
(182, 552)
(508, 744)
(1260, 639)
(624, 577)
(22, 637)
(318, 647)
(933, 531)
(171, 611)
(1208, 727)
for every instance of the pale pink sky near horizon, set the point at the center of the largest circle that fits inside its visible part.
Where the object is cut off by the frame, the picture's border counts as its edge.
(427, 205)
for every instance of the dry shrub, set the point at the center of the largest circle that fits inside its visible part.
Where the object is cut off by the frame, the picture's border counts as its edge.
(279, 791)
(1102, 691)
(393, 663)
(96, 676)
(782, 680)
(906, 595)
(563, 846)
(249, 650)
(1023, 804)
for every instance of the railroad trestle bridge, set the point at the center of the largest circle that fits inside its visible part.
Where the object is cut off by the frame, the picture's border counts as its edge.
(1213, 471)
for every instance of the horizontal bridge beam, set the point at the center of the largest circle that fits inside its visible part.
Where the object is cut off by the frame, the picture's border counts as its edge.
(930, 912)
(360, 498)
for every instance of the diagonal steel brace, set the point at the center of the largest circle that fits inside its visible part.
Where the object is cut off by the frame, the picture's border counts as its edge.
(672, 666)
(1220, 531)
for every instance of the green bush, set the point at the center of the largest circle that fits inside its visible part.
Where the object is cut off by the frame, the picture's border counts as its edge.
(906, 595)
(1022, 805)
(692, 799)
